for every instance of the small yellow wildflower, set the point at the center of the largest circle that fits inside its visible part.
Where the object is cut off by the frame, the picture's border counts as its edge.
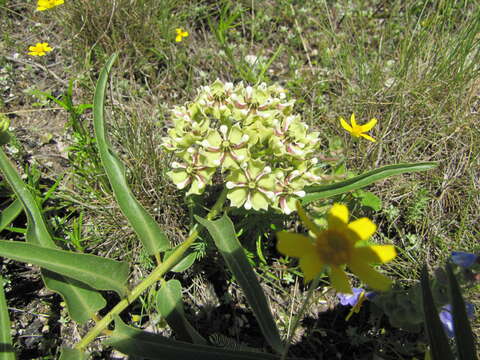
(358, 130)
(43, 5)
(336, 246)
(180, 34)
(40, 49)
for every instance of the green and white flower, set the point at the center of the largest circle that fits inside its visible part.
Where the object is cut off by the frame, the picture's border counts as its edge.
(192, 171)
(251, 186)
(227, 147)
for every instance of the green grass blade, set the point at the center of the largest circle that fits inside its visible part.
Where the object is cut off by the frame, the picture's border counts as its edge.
(98, 272)
(142, 223)
(461, 325)
(223, 233)
(325, 191)
(169, 304)
(6, 347)
(10, 213)
(134, 342)
(439, 348)
(82, 302)
(72, 354)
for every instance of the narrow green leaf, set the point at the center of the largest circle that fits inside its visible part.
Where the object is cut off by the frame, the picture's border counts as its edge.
(461, 325)
(325, 191)
(134, 342)
(142, 223)
(170, 306)
(10, 213)
(95, 271)
(6, 347)
(223, 233)
(82, 301)
(72, 354)
(439, 348)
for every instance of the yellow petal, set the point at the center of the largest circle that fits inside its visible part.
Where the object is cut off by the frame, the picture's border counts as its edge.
(339, 280)
(337, 216)
(364, 228)
(310, 265)
(178, 38)
(368, 275)
(306, 220)
(292, 244)
(352, 120)
(368, 126)
(345, 125)
(375, 253)
(368, 137)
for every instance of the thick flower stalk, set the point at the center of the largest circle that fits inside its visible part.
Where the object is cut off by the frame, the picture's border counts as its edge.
(242, 133)
(342, 243)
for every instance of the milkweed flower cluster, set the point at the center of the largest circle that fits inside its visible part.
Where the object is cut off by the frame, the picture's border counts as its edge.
(43, 5)
(250, 135)
(340, 244)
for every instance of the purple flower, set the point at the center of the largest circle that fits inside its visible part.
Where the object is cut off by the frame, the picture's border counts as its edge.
(447, 319)
(463, 259)
(352, 299)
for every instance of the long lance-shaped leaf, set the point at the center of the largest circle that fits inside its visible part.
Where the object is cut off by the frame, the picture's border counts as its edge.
(461, 325)
(82, 301)
(325, 191)
(6, 347)
(223, 234)
(97, 272)
(439, 347)
(142, 223)
(169, 304)
(72, 354)
(135, 342)
(10, 213)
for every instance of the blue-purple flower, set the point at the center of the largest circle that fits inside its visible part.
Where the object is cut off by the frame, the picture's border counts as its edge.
(447, 319)
(355, 300)
(464, 259)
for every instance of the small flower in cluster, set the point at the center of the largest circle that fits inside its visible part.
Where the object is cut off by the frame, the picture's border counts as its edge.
(43, 5)
(464, 259)
(250, 136)
(447, 319)
(180, 34)
(40, 49)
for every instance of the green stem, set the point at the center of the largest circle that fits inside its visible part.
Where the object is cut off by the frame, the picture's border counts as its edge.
(299, 315)
(151, 279)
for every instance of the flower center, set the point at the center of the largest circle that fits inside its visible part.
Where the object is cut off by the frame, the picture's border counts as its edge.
(226, 144)
(252, 185)
(334, 247)
(189, 170)
(356, 131)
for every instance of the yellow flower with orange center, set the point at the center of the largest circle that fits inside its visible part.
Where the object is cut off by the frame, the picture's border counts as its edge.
(40, 49)
(342, 243)
(43, 5)
(357, 130)
(180, 34)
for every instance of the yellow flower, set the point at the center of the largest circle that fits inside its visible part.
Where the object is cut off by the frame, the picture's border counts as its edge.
(336, 246)
(180, 34)
(358, 130)
(40, 49)
(48, 4)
